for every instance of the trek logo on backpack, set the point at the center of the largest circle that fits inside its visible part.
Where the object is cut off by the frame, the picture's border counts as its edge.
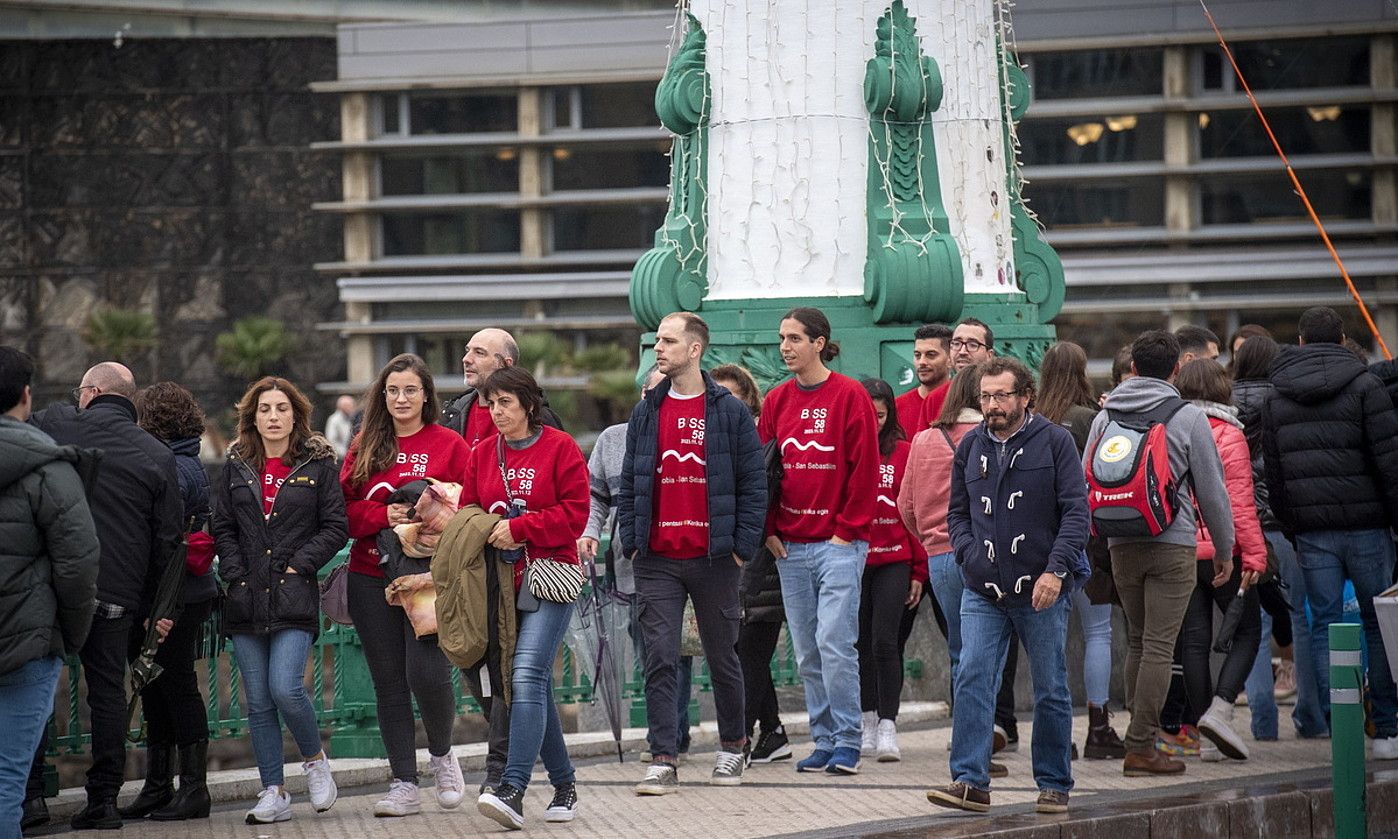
(1130, 488)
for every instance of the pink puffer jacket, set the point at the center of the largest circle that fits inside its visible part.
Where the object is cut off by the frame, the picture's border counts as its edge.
(1237, 476)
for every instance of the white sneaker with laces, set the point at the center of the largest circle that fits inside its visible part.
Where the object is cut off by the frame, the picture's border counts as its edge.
(273, 805)
(321, 783)
(886, 742)
(869, 738)
(450, 785)
(402, 800)
(1386, 748)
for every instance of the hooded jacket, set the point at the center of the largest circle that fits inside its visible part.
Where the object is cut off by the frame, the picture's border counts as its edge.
(1237, 476)
(1331, 443)
(306, 528)
(135, 501)
(1387, 372)
(733, 471)
(1249, 395)
(48, 547)
(1194, 462)
(1018, 509)
(194, 495)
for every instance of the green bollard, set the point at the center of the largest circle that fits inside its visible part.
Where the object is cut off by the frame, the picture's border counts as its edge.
(1347, 731)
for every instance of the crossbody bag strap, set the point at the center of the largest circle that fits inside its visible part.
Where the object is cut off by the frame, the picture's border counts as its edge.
(505, 480)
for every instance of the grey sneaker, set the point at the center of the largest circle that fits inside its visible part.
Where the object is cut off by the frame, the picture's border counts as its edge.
(728, 769)
(660, 779)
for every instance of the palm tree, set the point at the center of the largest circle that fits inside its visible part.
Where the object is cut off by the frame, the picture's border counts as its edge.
(120, 334)
(253, 346)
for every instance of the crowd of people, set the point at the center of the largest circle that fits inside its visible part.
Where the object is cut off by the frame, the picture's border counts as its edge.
(830, 505)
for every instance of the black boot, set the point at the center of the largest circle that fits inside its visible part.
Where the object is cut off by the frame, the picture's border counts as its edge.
(98, 815)
(159, 787)
(35, 813)
(192, 800)
(1102, 742)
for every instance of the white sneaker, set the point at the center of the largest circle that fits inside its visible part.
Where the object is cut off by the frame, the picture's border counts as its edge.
(402, 800)
(1217, 725)
(1208, 752)
(272, 806)
(869, 740)
(450, 785)
(1386, 748)
(321, 783)
(886, 746)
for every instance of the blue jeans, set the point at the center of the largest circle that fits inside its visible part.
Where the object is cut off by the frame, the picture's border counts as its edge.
(535, 730)
(26, 700)
(944, 576)
(1261, 686)
(820, 588)
(1096, 620)
(986, 628)
(273, 669)
(1365, 558)
(1308, 715)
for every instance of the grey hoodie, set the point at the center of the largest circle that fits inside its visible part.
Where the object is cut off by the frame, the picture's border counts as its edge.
(1194, 462)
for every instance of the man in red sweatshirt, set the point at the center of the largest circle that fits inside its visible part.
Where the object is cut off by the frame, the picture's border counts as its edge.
(819, 528)
(920, 407)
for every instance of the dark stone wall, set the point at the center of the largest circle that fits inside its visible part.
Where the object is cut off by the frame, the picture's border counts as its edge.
(174, 177)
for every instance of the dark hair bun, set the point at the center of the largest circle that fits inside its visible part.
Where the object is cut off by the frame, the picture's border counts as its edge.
(831, 351)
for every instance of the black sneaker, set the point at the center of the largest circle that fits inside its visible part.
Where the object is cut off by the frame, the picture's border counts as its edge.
(564, 806)
(771, 747)
(504, 806)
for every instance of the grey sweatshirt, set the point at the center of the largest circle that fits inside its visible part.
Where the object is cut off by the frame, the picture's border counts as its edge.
(604, 471)
(1194, 461)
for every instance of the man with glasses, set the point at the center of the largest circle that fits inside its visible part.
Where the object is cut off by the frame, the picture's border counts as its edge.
(971, 343)
(1018, 521)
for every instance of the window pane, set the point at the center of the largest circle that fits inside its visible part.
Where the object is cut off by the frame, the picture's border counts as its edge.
(471, 171)
(587, 168)
(1120, 72)
(1319, 129)
(1244, 199)
(463, 112)
(619, 105)
(388, 106)
(457, 232)
(1134, 202)
(606, 228)
(1113, 139)
(1301, 62)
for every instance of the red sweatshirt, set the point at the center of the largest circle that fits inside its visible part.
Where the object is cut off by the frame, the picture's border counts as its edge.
(551, 476)
(932, 407)
(889, 541)
(830, 455)
(916, 412)
(680, 518)
(433, 452)
(478, 425)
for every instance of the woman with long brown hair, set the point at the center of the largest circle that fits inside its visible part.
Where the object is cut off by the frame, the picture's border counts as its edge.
(401, 442)
(278, 519)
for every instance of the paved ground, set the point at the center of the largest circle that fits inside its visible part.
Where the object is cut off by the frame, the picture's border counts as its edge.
(774, 800)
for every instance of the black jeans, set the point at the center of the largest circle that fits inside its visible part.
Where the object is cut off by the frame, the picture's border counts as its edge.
(402, 668)
(1196, 639)
(104, 657)
(662, 585)
(173, 706)
(881, 609)
(757, 642)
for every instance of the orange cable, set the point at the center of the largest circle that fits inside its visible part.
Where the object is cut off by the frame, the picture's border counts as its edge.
(1300, 190)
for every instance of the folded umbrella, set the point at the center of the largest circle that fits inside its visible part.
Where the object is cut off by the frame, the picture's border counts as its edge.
(1231, 618)
(144, 670)
(606, 680)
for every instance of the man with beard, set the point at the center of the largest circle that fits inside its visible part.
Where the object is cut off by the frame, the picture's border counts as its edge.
(931, 364)
(1018, 520)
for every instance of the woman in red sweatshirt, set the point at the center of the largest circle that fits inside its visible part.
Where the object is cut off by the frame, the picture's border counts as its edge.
(1206, 383)
(536, 477)
(823, 423)
(400, 442)
(894, 574)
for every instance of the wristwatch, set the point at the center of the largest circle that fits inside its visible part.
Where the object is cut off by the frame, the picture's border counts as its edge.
(1060, 574)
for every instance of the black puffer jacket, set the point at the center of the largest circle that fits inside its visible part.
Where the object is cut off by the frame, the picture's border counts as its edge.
(1387, 371)
(307, 527)
(135, 502)
(1249, 396)
(48, 548)
(1331, 440)
(759, 584)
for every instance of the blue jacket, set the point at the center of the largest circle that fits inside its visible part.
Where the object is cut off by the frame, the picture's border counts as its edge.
(737, 481)
(1018, 509)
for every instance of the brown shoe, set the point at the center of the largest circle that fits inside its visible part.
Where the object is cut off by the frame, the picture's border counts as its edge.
(959, 796)
(999, 770)
(998, 740)
(1147, 762)
(1052, 801)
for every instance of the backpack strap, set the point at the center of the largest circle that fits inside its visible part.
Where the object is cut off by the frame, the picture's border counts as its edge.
(947, 435)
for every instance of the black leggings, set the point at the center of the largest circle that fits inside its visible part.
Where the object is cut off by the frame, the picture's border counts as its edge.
(881, 609)
(173, 706)
(1196, 640)
(402, 668)
(756, 644)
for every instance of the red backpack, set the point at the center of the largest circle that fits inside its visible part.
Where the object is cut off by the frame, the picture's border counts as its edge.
(1130, 488)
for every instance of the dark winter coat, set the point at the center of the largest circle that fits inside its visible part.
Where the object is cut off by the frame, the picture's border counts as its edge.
(135, 501)
(1018, 508)
(759, 584)
(1387, 371)
(1331, 438)
(48, 547)
(1249, 396)
(306, 529)
(194, 493)
(736, 479)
